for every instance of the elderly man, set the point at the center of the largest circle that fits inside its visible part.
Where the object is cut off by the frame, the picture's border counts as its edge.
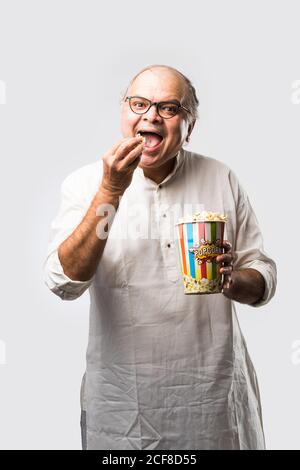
(164, 370)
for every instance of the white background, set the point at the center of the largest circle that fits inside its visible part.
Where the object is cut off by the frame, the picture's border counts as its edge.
(64, 64)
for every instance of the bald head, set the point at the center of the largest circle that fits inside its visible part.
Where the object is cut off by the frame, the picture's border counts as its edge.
(164, 73)
(169, 75)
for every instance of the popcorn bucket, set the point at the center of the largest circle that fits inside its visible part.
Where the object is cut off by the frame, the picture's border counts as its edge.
(199, 244)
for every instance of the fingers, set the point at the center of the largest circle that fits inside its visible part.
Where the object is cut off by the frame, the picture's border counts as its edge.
(116, 146)
(120, 162)
(133, 158)
(227, 281)
(227, 246)
(113, 149)
(226, 269)
(226, 258)
(134, 163)
(126, 147)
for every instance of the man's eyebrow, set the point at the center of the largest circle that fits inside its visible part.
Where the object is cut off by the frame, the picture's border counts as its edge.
(172, 100)
(175, 101)
(169, 100)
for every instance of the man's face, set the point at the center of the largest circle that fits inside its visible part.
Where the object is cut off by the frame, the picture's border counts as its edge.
(156, 85)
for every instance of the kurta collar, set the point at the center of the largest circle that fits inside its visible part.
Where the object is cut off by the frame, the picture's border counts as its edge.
(178, 163)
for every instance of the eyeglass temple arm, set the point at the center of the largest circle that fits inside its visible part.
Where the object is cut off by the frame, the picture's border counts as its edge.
(187, 110)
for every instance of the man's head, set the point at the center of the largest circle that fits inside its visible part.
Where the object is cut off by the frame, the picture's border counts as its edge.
(159, 83)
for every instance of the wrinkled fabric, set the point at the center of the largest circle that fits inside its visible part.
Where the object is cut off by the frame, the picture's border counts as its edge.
(164, 370)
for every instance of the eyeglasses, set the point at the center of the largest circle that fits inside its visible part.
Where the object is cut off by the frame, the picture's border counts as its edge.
(165, 109)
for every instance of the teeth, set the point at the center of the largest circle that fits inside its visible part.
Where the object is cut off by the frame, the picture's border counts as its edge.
(151, 132)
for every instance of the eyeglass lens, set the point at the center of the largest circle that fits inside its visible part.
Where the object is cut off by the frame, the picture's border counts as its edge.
(141, 106)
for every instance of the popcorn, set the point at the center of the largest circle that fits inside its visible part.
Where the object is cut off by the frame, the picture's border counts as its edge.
(204, 216)
(140, 135)
(201, 286)
(199, 247)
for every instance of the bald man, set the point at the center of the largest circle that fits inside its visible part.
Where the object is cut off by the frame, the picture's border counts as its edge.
(164, 370)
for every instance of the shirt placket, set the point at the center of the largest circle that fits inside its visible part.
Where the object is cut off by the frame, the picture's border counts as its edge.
(165, 232)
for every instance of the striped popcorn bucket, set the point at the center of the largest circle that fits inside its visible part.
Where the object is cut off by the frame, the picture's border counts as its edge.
(199, 244)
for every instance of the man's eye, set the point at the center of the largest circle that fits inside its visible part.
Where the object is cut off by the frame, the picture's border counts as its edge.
(169, 108)
(138, 104)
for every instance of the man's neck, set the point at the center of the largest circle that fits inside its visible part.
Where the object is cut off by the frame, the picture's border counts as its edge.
(159, 174)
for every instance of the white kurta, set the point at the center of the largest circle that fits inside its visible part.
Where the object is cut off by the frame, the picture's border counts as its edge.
(164, 370)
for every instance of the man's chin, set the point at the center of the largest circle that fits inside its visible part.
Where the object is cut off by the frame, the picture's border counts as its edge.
(148, 159)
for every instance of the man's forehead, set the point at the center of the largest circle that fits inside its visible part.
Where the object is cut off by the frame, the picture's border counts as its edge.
(158, 84)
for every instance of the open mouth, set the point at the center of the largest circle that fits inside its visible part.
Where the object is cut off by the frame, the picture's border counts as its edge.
(153, 140)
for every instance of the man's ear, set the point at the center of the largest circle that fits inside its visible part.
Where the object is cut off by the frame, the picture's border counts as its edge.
(190, 129)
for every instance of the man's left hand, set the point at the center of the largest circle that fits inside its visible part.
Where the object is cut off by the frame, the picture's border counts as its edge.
(245, 285)
(227, 265)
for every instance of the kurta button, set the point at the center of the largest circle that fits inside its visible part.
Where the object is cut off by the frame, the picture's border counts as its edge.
(168, 245)
(164, 215)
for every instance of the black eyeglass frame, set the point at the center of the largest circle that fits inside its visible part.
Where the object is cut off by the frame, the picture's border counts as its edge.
(157, 106)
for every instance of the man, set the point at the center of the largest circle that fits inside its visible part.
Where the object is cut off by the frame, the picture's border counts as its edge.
(164, 370)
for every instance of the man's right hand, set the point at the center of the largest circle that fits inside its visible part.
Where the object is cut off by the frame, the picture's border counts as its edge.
(119, 164)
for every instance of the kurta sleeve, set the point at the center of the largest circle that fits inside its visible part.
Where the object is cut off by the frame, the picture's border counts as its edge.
(71, 211)
(249, 249)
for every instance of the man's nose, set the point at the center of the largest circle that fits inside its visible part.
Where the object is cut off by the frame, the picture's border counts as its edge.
(152, 114)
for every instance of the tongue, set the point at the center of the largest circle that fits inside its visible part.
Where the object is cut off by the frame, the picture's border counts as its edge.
(152, 139)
